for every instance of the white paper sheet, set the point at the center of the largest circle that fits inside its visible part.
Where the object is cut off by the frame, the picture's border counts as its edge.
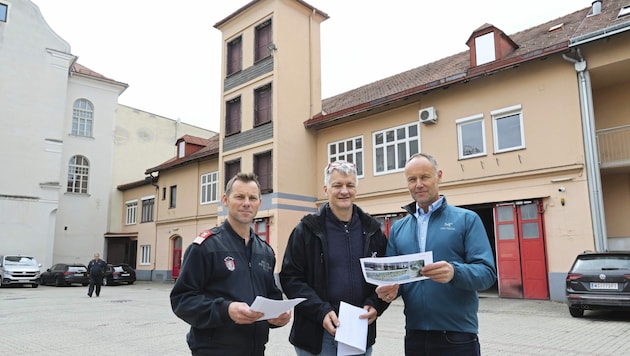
(272, 308)
(351, 335)
(396, 269)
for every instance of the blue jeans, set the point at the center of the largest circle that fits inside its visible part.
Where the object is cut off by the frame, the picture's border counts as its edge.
(441, 343)
(329, 348)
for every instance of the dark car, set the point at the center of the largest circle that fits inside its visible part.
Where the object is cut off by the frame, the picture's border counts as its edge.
(119, 273)
(65, 274)
(598, 280)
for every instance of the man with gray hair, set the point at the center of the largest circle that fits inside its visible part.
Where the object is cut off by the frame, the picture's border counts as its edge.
(321, 263)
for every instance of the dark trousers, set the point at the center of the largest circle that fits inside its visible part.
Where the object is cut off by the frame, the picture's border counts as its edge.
(95, 281)
(441, 343)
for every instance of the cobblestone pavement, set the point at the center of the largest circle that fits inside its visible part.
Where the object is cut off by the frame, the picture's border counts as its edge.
(137, 320)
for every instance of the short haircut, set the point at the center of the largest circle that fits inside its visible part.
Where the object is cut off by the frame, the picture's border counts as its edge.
(344, 167)
(428, 157)
(243, 177)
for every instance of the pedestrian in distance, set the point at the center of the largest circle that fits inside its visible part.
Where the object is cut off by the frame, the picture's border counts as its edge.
(223, 271)
(321, 263)
(96, 271)
(440, 312)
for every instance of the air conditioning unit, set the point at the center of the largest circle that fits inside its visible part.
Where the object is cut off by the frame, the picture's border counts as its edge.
(428, 115)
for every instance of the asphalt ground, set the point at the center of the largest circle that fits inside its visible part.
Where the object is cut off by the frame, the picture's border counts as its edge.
(137, 320)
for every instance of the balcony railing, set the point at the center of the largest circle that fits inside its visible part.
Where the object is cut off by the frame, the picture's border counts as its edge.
(614, 146)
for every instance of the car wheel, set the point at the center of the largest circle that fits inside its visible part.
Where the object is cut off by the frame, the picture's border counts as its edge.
(59, 282)
(104, 281)
(84, 284)
(131, 282)
(34, 285)
(576, 312)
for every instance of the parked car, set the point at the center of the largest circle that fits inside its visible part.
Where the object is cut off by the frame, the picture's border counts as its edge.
(119, 273)
(19, 270)
(65, 274)
(598, 280)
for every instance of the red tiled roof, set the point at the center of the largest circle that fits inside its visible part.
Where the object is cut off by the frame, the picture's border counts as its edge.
(83, 70)
(534, 43)
(210, 150)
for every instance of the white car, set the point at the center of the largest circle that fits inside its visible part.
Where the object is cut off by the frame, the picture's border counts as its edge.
(20, 270)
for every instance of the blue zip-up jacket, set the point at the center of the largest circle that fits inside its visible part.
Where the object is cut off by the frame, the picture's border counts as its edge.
(215, 272)
(457, 236)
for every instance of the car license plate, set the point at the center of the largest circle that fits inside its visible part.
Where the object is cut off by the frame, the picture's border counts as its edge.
(604, 285)
(25, 281)
(125, 274)
(78, 274)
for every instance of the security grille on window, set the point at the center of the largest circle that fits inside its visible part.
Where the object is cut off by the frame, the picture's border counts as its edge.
(263, 168)
(234, 56)
(233, 116)
(263, 41)
(262, 105)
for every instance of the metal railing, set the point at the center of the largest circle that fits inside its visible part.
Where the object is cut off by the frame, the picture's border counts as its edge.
(614, 146)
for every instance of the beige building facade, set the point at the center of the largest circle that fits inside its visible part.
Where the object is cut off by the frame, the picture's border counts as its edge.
(529, 129)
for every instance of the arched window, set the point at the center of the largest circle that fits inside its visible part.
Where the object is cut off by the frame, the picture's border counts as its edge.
(82, 118)
(78, 169)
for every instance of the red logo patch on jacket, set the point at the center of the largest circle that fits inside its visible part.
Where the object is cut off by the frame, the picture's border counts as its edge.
(202, 237)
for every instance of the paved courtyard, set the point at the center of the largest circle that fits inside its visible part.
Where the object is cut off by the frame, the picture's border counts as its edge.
(137, 320)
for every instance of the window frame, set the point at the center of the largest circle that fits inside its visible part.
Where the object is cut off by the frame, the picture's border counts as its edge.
(263, 38)
(234, 61)
(263, 168)
(172, 199)
(145, 255)
(399, 159)
(231, 168)
(354, 155)
(131, 212)
(4, 12)
(461, 145)
(233, 116)
(78, 175)
(148, 209)
(82, 118)
(263, 104)
(503, 114)
(209, 186)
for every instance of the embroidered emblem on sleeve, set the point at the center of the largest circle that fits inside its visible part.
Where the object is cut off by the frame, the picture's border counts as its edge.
(202, 237)
(230, 264)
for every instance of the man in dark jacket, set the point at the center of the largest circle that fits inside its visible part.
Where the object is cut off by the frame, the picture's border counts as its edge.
(321, 263)
(96, 270)
(223, 271)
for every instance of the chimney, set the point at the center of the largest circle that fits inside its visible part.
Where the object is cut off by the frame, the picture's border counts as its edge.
(597, 7)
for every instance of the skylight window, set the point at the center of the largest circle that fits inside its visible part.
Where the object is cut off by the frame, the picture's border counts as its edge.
(625, 11)
(556, 27)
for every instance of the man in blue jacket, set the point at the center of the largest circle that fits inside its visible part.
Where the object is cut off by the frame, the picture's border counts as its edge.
(321, 263)
(223, 271)
(441, 312)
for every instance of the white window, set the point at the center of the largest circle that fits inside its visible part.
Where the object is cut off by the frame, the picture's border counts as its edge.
(471, 136)
(350, 150)
(145, 254)
(484, 48)
(131, 212)
(3, 12)
(209, 188)
(82, 118)
(393, 146)
(78, 173)
(507, 126)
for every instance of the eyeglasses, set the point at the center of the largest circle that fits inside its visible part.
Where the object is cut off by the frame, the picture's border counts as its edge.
(337, 164)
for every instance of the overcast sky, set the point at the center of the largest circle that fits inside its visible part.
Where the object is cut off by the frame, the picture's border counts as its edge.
(170, 53)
